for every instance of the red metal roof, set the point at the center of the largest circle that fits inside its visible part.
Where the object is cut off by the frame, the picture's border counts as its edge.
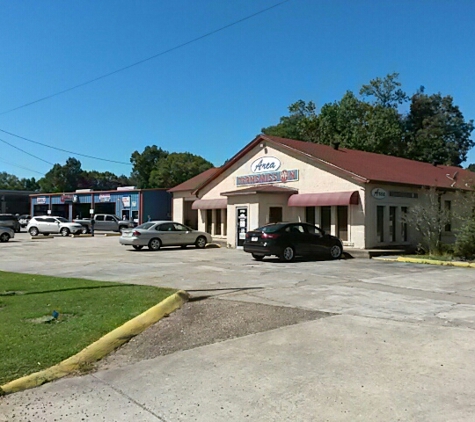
(371, 167)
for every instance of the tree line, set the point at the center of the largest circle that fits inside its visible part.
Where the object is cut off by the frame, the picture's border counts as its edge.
(433, 129)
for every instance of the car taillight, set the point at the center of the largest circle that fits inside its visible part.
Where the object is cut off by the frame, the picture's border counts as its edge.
(270, 235)
(136, 233)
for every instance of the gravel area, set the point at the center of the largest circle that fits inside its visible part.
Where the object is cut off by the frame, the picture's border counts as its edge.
(203, 322)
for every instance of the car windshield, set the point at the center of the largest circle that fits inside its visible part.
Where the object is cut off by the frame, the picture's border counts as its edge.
(145, 226)
(62, 219)
(270, 228)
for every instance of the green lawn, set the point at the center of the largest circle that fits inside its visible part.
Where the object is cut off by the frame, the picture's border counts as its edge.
(87, 310)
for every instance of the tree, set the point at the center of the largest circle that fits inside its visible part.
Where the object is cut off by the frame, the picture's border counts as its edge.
(62, 178)
(144, 163)
(437, 131)
(433, 131)
(177, 168)
(9, 181)
(385, 91)
(102, 180)
(300, 125)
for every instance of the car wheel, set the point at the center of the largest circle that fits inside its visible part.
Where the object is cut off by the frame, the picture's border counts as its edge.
(4, 237)
(200, 242)
(257, 257)
(137, 247)
(288, 254)
(154, 244)
(84, 230)
(33, 231)
(64, 232)
(336, 251)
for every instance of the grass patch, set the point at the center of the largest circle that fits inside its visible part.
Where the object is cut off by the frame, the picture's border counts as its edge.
(33, 340)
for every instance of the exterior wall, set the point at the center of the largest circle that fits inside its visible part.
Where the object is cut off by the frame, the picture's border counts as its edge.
(14, 202)
(312, 179)
(134, 204)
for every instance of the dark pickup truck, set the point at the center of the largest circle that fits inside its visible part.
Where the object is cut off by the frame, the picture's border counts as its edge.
(107, 222)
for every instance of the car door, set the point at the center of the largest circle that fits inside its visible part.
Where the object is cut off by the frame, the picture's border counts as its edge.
(316, 242)
(298, 238)
(110, 223)
(167, 234)
(184, 236)
(51, 225)
(99, 223)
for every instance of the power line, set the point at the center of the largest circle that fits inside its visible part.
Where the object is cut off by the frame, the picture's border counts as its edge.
(22, 150)
(208, 34)
(21, 167)
(60, 149)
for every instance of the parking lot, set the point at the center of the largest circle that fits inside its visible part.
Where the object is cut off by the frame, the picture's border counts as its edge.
(400, 345)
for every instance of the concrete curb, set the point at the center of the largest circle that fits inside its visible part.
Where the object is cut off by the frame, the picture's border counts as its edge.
(212, 246)
(428, 261)
(101, 347)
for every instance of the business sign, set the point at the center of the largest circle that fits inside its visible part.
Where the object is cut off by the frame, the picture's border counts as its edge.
(104, 197)
(66, 198)
(265, 164)
(126, 201)
(379, 193)
(283, 176)
(41, 200)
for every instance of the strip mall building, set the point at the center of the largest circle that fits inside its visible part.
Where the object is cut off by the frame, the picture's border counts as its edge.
(358, 196)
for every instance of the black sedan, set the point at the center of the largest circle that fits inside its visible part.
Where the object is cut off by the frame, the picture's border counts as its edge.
(288, 240)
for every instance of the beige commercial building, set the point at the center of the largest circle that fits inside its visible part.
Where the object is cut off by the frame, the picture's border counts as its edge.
(355, 195)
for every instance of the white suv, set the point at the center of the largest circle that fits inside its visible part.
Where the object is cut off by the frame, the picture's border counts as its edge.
(47, 224)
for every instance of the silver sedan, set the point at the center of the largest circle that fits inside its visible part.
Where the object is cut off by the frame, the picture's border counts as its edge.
(156, 234)
(6, 233)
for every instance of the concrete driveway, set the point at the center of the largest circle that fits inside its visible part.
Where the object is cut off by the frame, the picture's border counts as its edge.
(399, 347)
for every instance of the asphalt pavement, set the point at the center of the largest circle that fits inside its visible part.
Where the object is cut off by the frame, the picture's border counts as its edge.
(398, 345)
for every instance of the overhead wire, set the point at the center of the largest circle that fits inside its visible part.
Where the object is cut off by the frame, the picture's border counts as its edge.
(26, 152)
(62, 150)
(21, 167)
(169, 50)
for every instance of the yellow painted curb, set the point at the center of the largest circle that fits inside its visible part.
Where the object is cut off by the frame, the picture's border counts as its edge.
(436, 262)
(101, 347)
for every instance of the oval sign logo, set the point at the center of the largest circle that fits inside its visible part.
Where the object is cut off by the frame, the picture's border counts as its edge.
(265, 164)
(379, 193)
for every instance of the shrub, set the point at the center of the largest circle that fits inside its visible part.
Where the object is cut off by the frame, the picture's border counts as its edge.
(465, 244)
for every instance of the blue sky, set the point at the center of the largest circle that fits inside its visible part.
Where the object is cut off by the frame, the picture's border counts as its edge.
(210, 97)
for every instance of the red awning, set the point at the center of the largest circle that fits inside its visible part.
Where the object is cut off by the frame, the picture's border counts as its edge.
(324, 199)
(209, 204)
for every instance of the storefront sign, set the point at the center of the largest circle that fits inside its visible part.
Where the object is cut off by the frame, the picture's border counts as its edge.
(283, 176)
(104, 197)
(379, 193)
(264, 164)
(126, 201)
(41, 200)
(66, 198)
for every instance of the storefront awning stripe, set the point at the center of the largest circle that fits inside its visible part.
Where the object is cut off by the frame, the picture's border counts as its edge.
(324, 199)
(209, 204)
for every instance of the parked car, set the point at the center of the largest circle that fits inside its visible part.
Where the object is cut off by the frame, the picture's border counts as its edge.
(6, 233)
(155, 234)
(23, 220)
(48, 224)
(10, 220)
(288, 240)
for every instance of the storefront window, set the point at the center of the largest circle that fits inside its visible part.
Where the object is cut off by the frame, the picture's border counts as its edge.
(275, 214)
(326, 219)
(310, 215)
(392, 224)
(403, 224)
(342, 213)
(448, 207)
(380, 223)
(217, 225)
(209, 221)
